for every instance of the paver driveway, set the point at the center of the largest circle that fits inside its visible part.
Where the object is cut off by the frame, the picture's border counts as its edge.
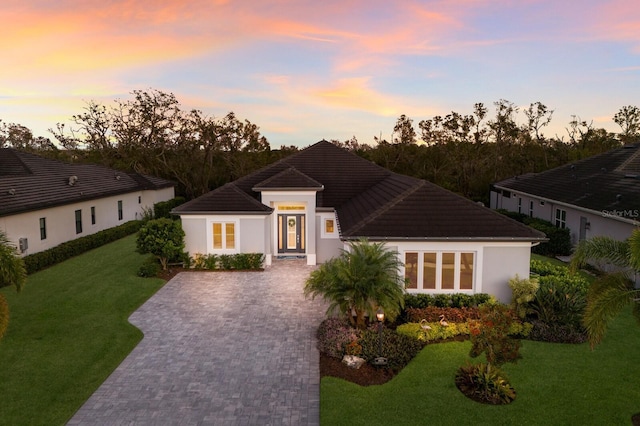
(219, 348)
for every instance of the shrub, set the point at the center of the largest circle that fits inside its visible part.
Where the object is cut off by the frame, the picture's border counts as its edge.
(490, 335)
(163, 208)
(432, 314)
(150, 268)
(164, 238)
(239, 261)
(484, 383)
(334, 334)
(456, 300)
(560, 300)
(437, 331)
(523, 291)
(559, 243)
(397, 348)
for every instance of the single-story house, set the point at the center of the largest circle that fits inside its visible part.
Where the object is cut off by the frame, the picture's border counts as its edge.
(597, 196)
(45, 202)
(312, 203)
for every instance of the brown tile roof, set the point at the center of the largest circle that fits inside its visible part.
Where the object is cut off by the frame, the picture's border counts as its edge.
(370, 201)
(608, 181)
(289, 179)
(29, 182)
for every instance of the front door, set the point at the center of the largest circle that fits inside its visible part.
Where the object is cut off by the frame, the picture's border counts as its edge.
(291, 233)
(583, 228)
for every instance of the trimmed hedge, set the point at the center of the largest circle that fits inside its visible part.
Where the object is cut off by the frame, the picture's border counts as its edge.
(41, 260)
(163, 208)
(456, 300)
(225, 262)
(559, 243)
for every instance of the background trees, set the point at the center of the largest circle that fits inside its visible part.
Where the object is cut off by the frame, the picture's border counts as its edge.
(152, 133)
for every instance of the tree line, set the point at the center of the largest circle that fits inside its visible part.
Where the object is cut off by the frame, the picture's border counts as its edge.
(152, 134)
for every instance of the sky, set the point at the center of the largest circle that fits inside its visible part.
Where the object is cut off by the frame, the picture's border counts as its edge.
(310, 70)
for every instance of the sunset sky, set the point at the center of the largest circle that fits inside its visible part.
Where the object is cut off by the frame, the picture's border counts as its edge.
(304, 71)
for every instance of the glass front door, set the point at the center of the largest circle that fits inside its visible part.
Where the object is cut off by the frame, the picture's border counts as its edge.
(291, 238)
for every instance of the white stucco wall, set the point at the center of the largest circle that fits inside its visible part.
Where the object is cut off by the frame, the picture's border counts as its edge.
(327, 245)
(195, 239)
(494, 263)
(500, 264)
(61, 223)
(615, 223)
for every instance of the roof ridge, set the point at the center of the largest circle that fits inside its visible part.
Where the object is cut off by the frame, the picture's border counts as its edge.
(235, 188)
(632, 157)
(392, 203)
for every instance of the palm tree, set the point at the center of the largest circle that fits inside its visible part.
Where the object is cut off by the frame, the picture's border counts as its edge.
(358, 282)
(12, 273)
(611, 292)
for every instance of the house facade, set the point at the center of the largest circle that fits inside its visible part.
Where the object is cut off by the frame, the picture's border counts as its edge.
(597, 196)
(44, 202)
(314, 202)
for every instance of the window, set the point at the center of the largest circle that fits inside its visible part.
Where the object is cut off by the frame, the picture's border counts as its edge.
(439, 271)
(120, 215)
(329, 226)
(519, 205)
(93, 215)
(561, 218)
(139, 199)
(429, 265)
(411, 269)
(78, 221)
(224, 235)
(531, 208)
(43, 228)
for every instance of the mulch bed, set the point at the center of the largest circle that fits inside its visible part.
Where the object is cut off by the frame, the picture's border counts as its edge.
(366, 375)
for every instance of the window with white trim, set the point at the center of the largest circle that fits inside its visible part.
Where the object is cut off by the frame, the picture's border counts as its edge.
(224, 235)
(561, 218)
(440, 271)
(329, 226)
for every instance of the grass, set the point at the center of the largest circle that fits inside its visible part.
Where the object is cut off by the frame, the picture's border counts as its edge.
(68, 331)
(556, 384)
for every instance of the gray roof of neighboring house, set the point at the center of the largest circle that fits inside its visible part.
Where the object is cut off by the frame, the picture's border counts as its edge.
(29, 182)
(370, 201)
(604, 182)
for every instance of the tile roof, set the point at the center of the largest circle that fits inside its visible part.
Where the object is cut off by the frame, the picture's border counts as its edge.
(29, 182)
(370, 200)
(608, 181)
(289, 179)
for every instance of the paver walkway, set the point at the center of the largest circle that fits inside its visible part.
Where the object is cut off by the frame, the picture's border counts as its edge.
(219, 348)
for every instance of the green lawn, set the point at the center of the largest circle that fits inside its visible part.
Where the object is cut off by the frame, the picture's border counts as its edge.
(556, 384)
(68, 331)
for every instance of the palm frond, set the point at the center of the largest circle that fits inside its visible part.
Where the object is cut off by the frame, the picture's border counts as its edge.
(634, 249)
(601, 249)
(605, 300)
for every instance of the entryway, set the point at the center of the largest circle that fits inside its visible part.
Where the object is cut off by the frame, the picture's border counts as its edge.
(291, 236)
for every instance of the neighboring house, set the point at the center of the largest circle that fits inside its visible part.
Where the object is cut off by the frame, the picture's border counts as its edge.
(44, 202)
(596, 196)
(312, 203)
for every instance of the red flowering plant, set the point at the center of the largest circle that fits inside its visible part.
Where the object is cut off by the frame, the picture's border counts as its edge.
(490, 335)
